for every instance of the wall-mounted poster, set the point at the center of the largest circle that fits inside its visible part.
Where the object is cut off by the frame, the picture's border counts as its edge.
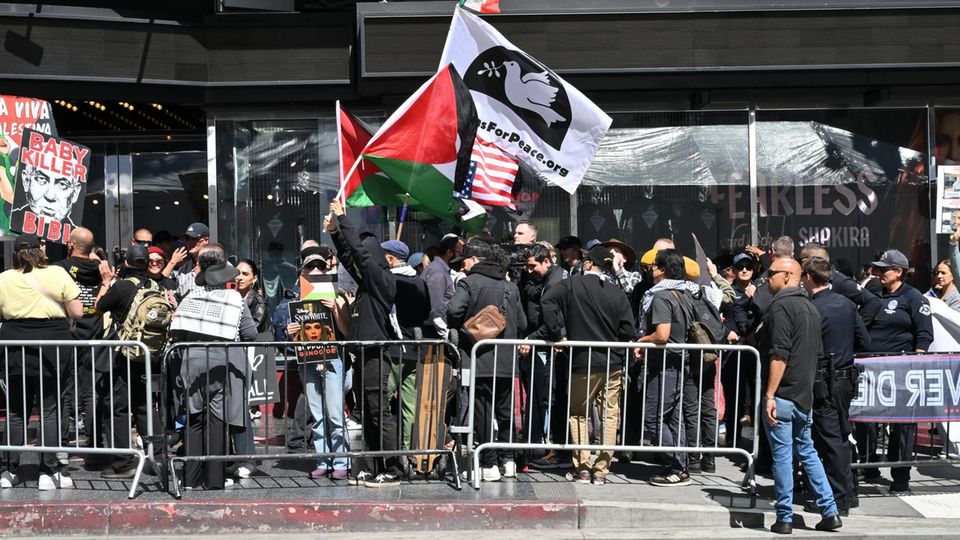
(948, 203)
(316, 324)
(17, 114)
(51, 182)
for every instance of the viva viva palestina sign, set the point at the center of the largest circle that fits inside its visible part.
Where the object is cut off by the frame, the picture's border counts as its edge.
(907, 389)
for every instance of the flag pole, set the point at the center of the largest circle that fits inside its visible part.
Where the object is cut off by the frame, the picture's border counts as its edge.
(403, 215)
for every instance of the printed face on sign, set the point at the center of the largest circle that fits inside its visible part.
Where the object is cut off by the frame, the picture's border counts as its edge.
(524, 85)
(50, 194)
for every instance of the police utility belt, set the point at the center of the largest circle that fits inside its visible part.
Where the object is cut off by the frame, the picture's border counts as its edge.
(827, 375)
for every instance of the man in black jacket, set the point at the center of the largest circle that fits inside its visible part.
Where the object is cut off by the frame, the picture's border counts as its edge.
(370, 321)
(587, 307)
(790, 344)
(412, 307)
(117, 300)
(541, 275)
(486, 285)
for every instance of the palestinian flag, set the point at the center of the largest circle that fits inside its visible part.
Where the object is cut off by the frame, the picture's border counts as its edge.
(482, 6)
(367, 185)
(426, 145)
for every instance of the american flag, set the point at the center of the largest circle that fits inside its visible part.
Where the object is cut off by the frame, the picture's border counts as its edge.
(491, 176)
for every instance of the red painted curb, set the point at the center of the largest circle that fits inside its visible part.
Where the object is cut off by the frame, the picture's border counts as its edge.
(272, 516)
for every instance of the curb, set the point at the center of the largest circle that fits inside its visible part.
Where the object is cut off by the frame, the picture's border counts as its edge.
(275, 516)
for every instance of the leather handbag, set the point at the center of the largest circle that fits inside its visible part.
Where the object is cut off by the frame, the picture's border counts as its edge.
(487, 323)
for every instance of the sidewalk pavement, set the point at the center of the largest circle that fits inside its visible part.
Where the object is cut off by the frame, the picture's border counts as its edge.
(281, 499)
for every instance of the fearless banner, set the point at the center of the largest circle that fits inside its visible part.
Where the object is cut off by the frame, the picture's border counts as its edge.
(51, 182)
(525, 109)
(907, 389)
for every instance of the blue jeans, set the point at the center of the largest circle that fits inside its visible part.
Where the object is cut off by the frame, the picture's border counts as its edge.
(324, 391)
(791, 436)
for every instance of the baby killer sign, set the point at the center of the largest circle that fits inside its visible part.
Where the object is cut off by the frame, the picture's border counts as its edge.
(51, 182)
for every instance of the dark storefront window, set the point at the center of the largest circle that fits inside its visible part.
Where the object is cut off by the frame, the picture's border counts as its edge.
(853, 180)
(667, 175)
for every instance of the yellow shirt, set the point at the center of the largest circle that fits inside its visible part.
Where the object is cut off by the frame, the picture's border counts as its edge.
(21, 300)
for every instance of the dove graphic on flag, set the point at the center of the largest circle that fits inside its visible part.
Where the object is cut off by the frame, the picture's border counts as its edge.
(525, 108)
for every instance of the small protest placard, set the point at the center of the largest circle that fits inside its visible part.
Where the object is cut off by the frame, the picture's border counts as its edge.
(316, 324)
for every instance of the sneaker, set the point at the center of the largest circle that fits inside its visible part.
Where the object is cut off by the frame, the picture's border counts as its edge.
(243, 472)
(670, 479)
(63, 458)
(383, 480)
(708, 464)
(490, 474)
(49, 482)
(510, 469)
(8, 479)
(580, 477)
(340, 474)
(900, 488)
(353, 424)
(320, 472)
(599, 479)
(255, 413)
(360, 479)
(227, 483)
(119, 475)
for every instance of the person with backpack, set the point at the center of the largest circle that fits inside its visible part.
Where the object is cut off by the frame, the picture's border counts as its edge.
(486, 285)
(663, 322)
(214, 378)
(130, 301)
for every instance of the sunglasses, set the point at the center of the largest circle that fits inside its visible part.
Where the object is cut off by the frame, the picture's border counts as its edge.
(144, 243)
(317, 265)
(742, 267)
(772, 273)
(155, 262)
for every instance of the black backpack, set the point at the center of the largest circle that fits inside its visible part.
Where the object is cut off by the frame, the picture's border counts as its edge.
(704, 326)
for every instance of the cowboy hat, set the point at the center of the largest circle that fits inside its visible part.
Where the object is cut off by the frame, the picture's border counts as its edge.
(628, 252)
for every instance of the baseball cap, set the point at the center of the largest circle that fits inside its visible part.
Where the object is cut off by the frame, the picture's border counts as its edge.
(198, 230)
(136, 256)
(591, 244)
(892, 259)
(742, 257)
(26, 241)
(396, 248)
(157, 251)
(415, 259)
(601, 256)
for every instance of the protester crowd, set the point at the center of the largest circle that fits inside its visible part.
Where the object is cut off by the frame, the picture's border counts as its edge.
(806, 318)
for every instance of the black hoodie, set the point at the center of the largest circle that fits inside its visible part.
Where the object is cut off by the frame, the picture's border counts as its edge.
(376, 286)
(86, 273)
(486, 285)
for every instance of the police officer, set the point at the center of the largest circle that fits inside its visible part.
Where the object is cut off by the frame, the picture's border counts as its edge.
(843, 334)
(867, 303)
(902, 324)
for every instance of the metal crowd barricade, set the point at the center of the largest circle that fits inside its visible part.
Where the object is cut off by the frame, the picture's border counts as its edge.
(84, 376)
(385, 360)
(559, 367)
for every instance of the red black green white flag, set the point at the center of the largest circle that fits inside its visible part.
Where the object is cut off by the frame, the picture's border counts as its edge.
(425, 147)
(482, 6)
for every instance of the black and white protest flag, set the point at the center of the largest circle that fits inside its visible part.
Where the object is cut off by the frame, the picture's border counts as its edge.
(524, 107)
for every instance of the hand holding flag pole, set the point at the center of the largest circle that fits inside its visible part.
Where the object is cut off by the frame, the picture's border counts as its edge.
(403, 215)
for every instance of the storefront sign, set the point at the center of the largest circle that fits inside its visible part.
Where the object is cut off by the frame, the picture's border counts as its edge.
(907, 389)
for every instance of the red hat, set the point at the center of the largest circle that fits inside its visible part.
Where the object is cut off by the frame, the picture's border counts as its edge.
(158, 251)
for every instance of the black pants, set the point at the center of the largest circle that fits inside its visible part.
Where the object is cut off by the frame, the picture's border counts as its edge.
(831, 438)
(379, 416)
(130, 409)
(23, 393)
(559, 416)
(205, 435)
(493, 403)
(535, 378)
(699, 407)
(663, 423)
(899, 447)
